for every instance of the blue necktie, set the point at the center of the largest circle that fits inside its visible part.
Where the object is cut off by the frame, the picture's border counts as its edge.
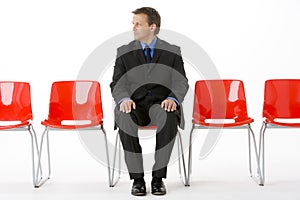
(148, 54)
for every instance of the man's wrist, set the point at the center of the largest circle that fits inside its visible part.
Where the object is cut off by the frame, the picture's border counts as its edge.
(123, 99)
(174, 99)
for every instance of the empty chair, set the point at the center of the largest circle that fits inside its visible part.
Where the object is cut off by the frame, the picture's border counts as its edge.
(221, 104)
(16, 114)
(74, 105)
(281, 109)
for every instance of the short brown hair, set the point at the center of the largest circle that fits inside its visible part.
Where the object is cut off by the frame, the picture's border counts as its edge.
(152, 14)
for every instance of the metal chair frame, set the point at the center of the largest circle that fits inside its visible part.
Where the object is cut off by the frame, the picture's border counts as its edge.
(34, 150)
(114, 180)
(251, 135)
(261, 154)
(46, 134)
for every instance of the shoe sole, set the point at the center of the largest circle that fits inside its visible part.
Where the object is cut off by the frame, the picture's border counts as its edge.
(158, 193)
(138, 194)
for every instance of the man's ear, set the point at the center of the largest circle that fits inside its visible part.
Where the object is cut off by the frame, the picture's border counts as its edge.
(153, 27)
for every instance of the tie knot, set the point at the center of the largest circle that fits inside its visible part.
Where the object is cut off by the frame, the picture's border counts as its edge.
(147, 48)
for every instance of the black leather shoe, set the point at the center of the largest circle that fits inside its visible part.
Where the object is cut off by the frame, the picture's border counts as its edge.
(138, 187)
(158, 187)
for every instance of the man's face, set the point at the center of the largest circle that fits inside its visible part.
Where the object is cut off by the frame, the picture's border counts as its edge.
(141, 29)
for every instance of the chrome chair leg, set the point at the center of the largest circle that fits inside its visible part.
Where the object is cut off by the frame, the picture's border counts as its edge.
(179, 159)
(249, 151)
(181, 154)
(39, 175)
(34, 148)
(261, 154)
(107, 155)
(251, 135)
(190, 157)
(117, 143)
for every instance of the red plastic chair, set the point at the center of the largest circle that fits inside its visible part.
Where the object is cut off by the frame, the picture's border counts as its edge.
(280, 110)
(221, 104)
(74, 105)
(16, 113)
(114, 180)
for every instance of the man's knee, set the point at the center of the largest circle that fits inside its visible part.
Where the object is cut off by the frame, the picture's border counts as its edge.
(160, 116)
(125, 122)
(140, 118)
(172, 116)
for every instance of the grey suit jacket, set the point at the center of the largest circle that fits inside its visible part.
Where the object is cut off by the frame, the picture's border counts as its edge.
(163, 77)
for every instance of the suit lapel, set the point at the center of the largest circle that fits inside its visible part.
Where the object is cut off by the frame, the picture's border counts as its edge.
(138, 53)
(157, 50)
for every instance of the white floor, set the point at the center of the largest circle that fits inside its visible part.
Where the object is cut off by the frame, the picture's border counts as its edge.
(222, 175)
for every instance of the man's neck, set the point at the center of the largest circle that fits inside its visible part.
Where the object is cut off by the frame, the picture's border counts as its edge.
(148, 40)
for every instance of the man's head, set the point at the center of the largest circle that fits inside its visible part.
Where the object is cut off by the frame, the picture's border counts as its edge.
(146, 23)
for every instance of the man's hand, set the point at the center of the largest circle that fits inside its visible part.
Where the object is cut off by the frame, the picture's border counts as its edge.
(126, 105)
(169, 105)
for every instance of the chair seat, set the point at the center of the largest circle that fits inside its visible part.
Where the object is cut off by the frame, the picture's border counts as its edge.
(237, 123)
(150, 127)
(26, 123)
(76, 126)
(269, 121)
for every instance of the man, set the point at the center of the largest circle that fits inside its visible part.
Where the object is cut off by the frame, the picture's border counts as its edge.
(148, 86)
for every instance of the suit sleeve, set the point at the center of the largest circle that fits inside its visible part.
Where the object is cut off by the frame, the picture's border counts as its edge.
(179, 80)
(118, 85)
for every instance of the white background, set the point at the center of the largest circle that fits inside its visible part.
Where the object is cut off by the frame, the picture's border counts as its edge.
(46, 41)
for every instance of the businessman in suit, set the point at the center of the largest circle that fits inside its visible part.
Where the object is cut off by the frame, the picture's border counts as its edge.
(148, 86)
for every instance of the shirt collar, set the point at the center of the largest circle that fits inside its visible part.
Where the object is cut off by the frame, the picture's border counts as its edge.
(151, 45)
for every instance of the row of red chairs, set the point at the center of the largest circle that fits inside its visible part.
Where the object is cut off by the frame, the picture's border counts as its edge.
(69, 101)
(215, 102)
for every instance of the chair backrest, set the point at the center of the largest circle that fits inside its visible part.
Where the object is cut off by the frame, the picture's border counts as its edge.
(282, 98)
(220, 99)
(15, 101)
(75, 100)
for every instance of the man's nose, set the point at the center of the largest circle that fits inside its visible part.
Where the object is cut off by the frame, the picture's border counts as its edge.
(134, 27)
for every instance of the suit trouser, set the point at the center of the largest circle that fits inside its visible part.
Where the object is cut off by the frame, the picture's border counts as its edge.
(148, 112)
